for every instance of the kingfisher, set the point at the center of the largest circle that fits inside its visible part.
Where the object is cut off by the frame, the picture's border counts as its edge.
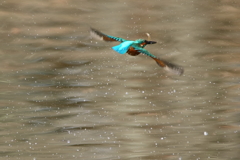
(136, 47)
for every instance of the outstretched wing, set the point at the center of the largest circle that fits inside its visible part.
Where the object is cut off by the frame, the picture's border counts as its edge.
(144, 51)
(101, 36)
(162, 63)
(173, 68)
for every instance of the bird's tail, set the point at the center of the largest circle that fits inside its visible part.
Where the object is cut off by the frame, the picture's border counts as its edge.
(169, 66)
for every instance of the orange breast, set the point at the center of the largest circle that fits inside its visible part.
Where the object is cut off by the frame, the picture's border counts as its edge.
(131, 51)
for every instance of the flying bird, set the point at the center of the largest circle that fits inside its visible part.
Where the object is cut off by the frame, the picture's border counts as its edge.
(136, 47)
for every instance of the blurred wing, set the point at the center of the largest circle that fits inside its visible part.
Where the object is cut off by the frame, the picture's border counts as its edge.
(162, 63)
(123, 47)
(101, 36)
(169, 66)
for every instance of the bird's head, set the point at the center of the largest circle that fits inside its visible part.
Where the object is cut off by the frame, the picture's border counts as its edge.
(143, 42)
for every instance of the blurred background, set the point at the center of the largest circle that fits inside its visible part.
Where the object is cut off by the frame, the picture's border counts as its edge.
(67, 96)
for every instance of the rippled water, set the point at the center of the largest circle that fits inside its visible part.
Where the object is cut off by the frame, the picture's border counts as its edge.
(67, 96)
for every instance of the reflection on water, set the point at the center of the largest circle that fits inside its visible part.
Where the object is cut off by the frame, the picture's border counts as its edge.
(66, 96)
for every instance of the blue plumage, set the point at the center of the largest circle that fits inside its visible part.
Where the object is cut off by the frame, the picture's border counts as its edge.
(123, 47)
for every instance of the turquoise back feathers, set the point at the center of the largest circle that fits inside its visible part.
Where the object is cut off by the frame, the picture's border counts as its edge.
(123, 47)
(136, 47)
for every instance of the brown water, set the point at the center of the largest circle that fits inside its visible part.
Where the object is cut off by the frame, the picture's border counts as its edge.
(66, 96)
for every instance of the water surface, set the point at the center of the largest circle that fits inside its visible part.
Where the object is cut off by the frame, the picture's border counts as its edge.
(67, 96)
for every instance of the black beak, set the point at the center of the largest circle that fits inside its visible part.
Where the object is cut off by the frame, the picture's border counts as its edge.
(150, 42)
